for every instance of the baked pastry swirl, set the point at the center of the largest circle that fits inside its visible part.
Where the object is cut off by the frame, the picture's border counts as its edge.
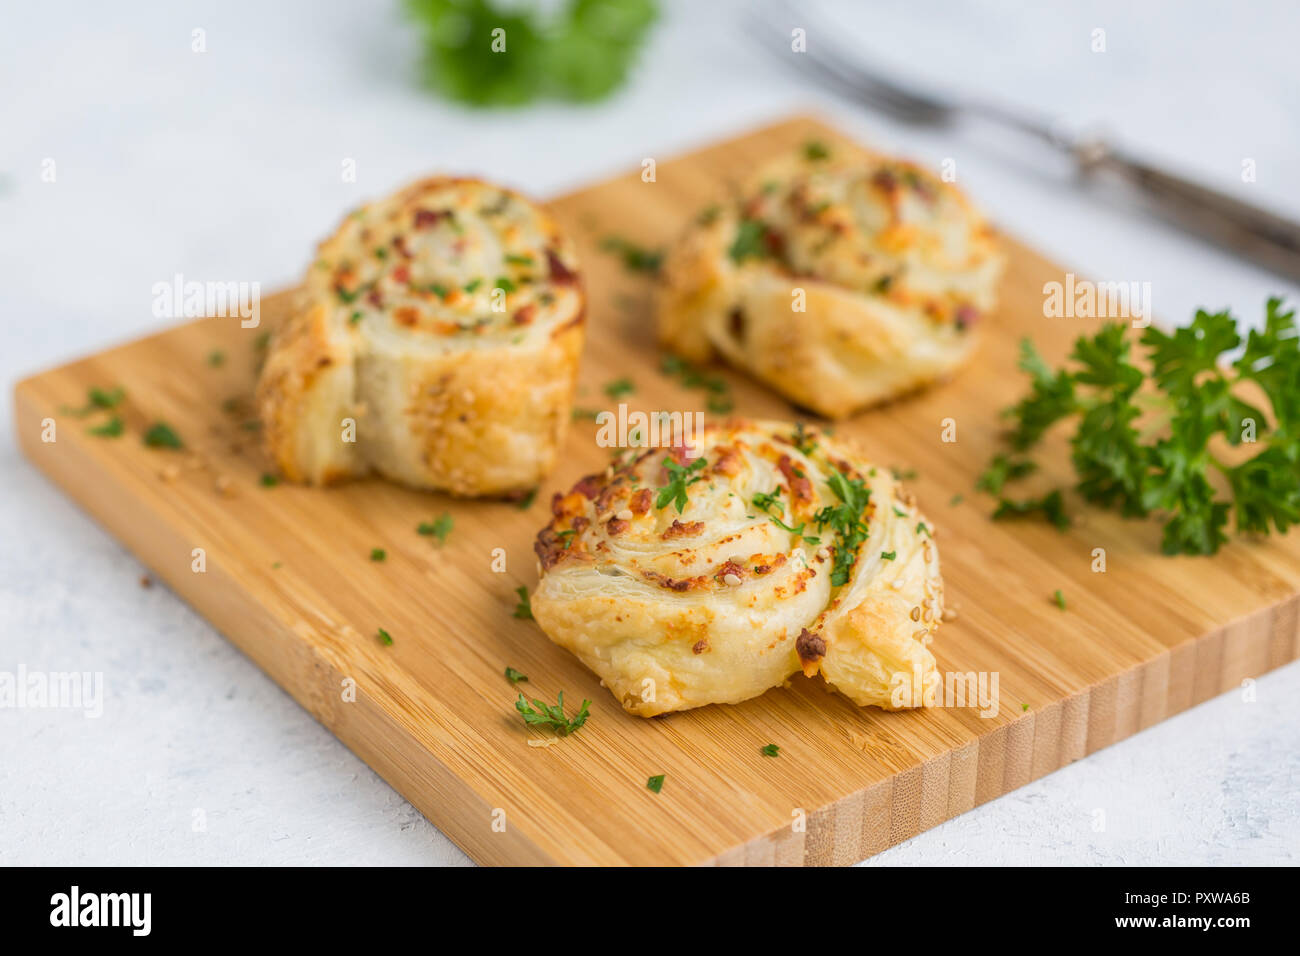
(891, 266)
(446, 323)
(688, 580)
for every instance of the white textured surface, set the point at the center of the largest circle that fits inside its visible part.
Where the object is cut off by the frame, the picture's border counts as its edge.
(226, 165)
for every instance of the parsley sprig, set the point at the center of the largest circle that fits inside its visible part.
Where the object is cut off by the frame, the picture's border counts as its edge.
(579, 51)
(845, 520)
(1148, 451)
(542, 714)
(680, 477)
(770, 504)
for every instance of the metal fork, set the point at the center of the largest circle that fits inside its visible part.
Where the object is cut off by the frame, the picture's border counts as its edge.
(1264, 238)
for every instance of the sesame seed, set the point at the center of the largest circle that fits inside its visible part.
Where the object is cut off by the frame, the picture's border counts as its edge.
(624, 515)
(916, 614)
(731, 579)
(949, 614)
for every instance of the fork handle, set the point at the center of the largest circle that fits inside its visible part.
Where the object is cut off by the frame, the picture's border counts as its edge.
(1270, 240)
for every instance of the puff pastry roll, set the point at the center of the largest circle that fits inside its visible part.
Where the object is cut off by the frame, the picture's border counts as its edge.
(445, 324)
(709, 574)
(839, 277)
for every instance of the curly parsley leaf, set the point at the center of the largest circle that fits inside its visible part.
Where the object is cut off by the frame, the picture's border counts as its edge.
(542, 714)
(845, 520)
(582, 52)
(1144, 441)
(680, 477)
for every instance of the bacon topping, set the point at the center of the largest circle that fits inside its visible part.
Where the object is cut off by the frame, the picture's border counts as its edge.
(682, 530)
(809, 646)
(800, 486)
(560, 273)
(429, 217)
(640, 503)
(588, 486)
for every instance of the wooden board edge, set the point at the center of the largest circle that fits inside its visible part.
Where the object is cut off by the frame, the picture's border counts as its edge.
(458, 811)
(859, 825)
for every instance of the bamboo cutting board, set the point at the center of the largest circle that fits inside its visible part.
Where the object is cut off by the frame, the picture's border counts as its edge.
(289, 579)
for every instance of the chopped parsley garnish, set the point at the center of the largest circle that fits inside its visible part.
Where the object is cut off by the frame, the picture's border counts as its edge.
(845, 521)
(749, 242)
(519, 260)
(1150, 453)
(655, 783)
(269, 480)
(97, 398)
(505, 285)
(1024, 707)
(770, 750)
(105, 398)
(719, 400)
(1059, 598)
(720, 404)
(378, 554)
(470, 286)
(634, 257)
(956, 500)
(384, 638)
(620, 387)
(526, 502)
(542, 714)
(899, 512)
(440, 290)
(888, 555)
(680, 477)
(523, 609)
(922, 529)
(815, 149)
(355, 317)
(903, 474)
(438, 528)
(1050, 505)
(112, 428)
(216, 358)
(515, 676)
(708, 215)
(584, 414)
(1001, 470)
(766, 502)
(802, 440)
(161, 435)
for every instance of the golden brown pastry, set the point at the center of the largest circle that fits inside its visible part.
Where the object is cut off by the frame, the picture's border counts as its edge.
(685, 581)
(891, 267)
(445, 322)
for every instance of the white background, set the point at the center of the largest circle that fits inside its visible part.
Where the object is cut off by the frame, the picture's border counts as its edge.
(226, 165)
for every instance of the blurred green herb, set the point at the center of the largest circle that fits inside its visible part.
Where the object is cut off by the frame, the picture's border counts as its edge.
(505, 54)
(162, 435)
